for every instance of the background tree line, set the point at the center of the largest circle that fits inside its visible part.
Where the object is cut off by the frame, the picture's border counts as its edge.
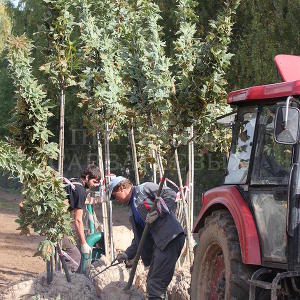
(262, 30)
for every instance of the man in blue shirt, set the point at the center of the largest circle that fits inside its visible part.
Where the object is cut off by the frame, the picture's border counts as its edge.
(165, 239)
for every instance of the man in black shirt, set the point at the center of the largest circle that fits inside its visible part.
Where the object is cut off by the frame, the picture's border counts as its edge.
(76, 190)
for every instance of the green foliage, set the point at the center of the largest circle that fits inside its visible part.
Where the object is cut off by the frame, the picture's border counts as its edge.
(7, 102)
(101, 86)
(59, 26)
(199, 69)
(147, 76)
(26, 156)
(211, 67)
(32, 111)
(147, 69)
(5, 26)
(263, 29)
(186, 44)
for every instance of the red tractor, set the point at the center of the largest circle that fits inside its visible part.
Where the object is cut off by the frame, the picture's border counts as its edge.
(248, 230)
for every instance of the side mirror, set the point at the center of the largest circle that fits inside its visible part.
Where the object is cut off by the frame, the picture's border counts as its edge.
(286, 129)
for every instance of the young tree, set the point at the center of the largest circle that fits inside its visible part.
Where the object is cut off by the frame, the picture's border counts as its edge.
(101, 86)
(26, 156)
(198, 67)
(59, 26)
(147, 77)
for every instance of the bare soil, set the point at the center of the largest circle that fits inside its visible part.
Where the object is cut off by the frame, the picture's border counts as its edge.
(17, 261)
(16, 252)
(18, 264)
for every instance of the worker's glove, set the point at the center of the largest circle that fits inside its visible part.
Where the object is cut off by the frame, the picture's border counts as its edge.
(122, 256)
(129, 263)
(151, 217)
(86, 249)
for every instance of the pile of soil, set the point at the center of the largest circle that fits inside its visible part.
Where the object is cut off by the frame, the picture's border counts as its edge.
(80, 288)
(109, 285)
(179, 288)
(112, 280)
(115, 291)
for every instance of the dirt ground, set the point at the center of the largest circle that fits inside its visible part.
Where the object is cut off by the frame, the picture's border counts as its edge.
(16, 252)
(17, 261)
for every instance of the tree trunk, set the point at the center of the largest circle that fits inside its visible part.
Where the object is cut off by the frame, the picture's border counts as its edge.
(160, 164)
(134, 156)
(103, 197)
(154, 167)
(153, 151)
(107, 180)
(191, 177)
(61, 146)
(61, 133)
(185, 211)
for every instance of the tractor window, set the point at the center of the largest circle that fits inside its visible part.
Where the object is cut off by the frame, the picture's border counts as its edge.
(243, 133)
(272, 160)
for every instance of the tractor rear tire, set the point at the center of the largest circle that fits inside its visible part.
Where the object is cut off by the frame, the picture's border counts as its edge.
(218, 272)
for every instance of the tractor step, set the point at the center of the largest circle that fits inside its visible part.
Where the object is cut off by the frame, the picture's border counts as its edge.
(272, 286)
(255, 282)
(262, 284)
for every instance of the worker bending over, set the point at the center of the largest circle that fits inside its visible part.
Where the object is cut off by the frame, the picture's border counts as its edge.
(165, 239)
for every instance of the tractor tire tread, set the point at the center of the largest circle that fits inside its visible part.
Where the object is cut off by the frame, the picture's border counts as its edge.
(221, 223)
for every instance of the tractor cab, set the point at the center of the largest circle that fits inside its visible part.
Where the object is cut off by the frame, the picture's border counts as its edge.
(249, 228)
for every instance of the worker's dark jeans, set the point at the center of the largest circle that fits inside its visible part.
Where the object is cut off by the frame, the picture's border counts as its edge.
(74, 253)
(162, 268)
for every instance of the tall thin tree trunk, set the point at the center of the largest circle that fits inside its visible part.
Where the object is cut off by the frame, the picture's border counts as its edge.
(61, 133)
(154, 170)
(191, 177)
(134, 156)
(185, 211)
(107, 169)
(103, 197)
(160, 165)
(61, 146)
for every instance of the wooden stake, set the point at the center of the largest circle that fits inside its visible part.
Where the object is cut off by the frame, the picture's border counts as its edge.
(61, 146)
(107, 181)
(185, 211)
(191, 176)
(134, 156)
(160, 165)
(61, 133)
(103, 197)
(154, 169)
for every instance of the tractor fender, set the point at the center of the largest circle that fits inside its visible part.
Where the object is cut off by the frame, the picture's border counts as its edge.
(230, 198)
